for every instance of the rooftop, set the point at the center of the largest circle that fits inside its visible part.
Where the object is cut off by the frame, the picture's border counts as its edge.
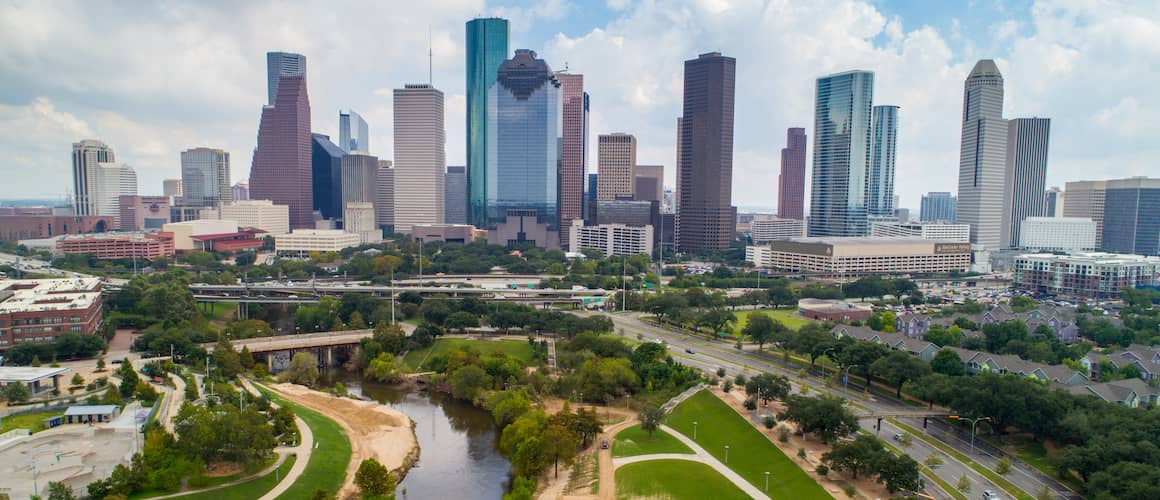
(83, 410)
(28, 374)
(48, 294)
(1094, 257)
(865, 240)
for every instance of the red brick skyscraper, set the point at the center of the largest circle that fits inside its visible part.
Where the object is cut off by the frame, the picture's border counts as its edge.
(706, 217)
(281, 169)
(575, 150)
(791, 183)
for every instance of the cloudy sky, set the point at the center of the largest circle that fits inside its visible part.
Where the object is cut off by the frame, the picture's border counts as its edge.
(154, 78)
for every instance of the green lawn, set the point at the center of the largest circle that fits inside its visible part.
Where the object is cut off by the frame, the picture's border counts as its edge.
(634, 441)
(221, 311)
(751, 454)
(674, 480)
(249, 489)
(519, 349)
(31, 421)
(788, 317)
(326, 469)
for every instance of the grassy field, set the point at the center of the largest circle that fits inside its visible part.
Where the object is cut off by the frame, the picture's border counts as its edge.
(634, 441)
(788, 317)
(751, 454)
(326, 469)
(249, 489)
(31, 421)
(1035, 455)
(674, 480)
(519, 349)
(219, 311)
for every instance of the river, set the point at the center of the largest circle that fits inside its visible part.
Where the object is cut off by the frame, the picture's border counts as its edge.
(458, 457)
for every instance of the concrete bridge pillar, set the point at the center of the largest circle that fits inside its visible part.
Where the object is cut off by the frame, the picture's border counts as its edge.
(329, 356)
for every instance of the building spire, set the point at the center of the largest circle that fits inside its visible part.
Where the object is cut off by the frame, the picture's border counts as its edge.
(430, 57)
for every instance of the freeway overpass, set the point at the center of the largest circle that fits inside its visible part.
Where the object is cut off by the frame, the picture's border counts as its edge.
(278, 350)
(330, 288)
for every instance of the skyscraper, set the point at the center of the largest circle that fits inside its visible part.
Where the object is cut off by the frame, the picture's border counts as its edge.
(281, 64)
(650, 182)
(616, 164)
(590, 190)
(1134, 205)
(487, 47)
(937, 206)
(360, 179)
(326, 168)
(455, 195)
(85, 157)
(880, 198)
(791, 181)
(420, 157)
(1053, 202)
(241, 191)
(842, 147)
(574, 149)
(110, 182)
(171, 187)
(523, 140)
(205, 177)
(353, 134)
(385, 196)
(1085, 200)
(982, 156)
(281, 170)
(705, 215)
(1026, 177)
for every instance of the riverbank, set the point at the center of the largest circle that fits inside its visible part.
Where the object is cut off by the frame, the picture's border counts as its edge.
(374, 430)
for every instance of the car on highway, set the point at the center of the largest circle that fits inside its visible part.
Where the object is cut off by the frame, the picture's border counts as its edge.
(990, 495)
(690, 351)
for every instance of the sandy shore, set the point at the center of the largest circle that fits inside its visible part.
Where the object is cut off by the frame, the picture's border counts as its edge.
(374, 430)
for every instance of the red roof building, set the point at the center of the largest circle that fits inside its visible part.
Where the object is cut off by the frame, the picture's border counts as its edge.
(245, 239)
(118, 246)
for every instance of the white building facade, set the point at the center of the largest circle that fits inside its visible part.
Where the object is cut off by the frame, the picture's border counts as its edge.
(925, 230)
(612, 239)
(258, 214)
(359, 218)
(113, 180)
(420, 156)
(1058, 234)
(304, 241)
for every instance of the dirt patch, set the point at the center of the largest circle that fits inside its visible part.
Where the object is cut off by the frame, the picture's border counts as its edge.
(374, 430)
(222, 469)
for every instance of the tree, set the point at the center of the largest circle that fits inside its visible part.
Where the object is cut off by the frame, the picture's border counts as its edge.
(898, 473)
(60, 491)
(468, 381)
(651, 418)
(863, 354)
(898, 367)
(384, 369)
(77, 380)
(101, 364)
(1003, 466)
(508, 406)
(767, 387)
(717, 320)
(303, 369)
(946, 362)
(17, 392)
(859, 455)
(964, 485)
(825, 416)
(461, 320)
(761, 329)
(944, 337)
(559, 443)
(129, 379)
(374, 480)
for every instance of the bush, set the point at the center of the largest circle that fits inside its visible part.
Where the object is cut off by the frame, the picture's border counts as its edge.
(783, 435)
(740, 380)
(822, 470)
(727, 386)
(850, 490)
(768, 422)
(750, 404)
(1003, 466)
(721, 372)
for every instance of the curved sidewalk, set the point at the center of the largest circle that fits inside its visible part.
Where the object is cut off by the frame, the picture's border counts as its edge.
(699, 455)
(303, 450)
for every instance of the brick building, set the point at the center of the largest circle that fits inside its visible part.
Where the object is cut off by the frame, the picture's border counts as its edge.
(118, 246)
(41, 310)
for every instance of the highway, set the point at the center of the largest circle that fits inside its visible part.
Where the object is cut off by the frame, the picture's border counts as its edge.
(710, 355)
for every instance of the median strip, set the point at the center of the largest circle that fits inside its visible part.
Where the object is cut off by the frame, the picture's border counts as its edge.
(1001, 481)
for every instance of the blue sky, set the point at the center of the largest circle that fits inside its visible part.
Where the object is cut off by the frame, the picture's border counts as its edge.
(154, 79)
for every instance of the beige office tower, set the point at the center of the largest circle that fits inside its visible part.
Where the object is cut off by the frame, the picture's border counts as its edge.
(983, 155)
(616, 166)
(171, 187)
(420, 157)
(1085, 200)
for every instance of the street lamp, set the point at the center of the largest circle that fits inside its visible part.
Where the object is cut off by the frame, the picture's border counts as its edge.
(694, 430)
(846, 380)
(767, 481)
(726, 454)
(823, 356)
(974, 421)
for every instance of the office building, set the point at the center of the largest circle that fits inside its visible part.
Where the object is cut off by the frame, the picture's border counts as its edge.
(982, 156)
(279, 65)
(1085, 200)
(353, 133)
(1085, 276)
(524, 126)
(1132, 208)
(205, 177)
(1026, 178)
(212, 235)
(1057, 234)
(360, 180)
(774, 229)
(941, 231)
(326, 169)
(842, 132)
(260, 214)
(40, 310)
(937, 206)
(791, 181)
(86, 155)
(385, 196)
(171, 187)
(31, 227)
(706, 217)
(359, 218)
(612, 239)
(854, 256)
(118, 246)
(573, 149)
(1053, 202)
(455, 195)
(420, 156)
(486, 49)
(142, 213)
(590, 192)
(650, 182)
(281, 169)
(900, 214)
(880, 197)
(240, 191)
(523, 227)
(111, 181)
(448, 233)
(625, 211)
(616, 166)
(301, 242)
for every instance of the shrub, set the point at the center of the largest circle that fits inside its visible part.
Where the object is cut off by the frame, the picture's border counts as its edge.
(822, 470)
(750, 404)
(769, 422)
(740, 380)
(1003, 466)
(850, 490)
(802, 453)
(721, 372)
(783, 434)
(727, 386)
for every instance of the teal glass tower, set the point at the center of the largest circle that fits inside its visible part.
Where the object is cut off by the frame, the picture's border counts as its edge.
(487, 47)
(842, 150)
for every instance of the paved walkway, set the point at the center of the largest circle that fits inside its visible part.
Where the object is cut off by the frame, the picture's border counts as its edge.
(700, 455)
(173, 402)
(303, 450)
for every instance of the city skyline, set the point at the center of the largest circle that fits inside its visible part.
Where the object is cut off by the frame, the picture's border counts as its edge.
(150, 137)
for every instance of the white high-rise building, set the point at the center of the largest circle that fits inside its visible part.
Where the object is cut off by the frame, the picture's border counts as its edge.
(111, 181)
(259, 214)
(983, 155)
(612, 239)
(942, 231)
(775, 229)
(85, 157)
(615, 166)
(1058, 234)
(359, 218)
(420, 156)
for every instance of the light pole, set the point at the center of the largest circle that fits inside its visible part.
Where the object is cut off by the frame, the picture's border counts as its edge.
(694, 430)
(974, 421)
(824, 360)
(726, 454)
(767, 481)
(846, 380)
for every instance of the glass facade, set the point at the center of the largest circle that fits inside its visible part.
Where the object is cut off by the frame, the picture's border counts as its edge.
(937, 206)
(841, 154)
(523, 140)
(326, 169)
(1135, 211)
(205, 177)
(353, 133)
(880, 186)
(487, 47)
(280, 64)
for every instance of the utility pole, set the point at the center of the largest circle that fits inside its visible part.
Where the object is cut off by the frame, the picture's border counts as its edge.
(393, 295)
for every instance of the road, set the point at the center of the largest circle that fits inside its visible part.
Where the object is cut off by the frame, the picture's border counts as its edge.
(710, 355)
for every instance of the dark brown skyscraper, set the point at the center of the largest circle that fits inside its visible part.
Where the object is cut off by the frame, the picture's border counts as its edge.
(791, 182)
(706, 217)
(281, 169)
(575, 150)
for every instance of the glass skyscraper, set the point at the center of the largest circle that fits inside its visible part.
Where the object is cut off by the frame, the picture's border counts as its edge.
(937, 206)
(524, 126)
(487, 47)
(280, 64)
(1132, 212)
(880, 183)
(842, 117)
(205, 177)
(353, 134)
(326, 166)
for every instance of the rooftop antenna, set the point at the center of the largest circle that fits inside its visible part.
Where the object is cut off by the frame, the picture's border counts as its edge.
(430, 57)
